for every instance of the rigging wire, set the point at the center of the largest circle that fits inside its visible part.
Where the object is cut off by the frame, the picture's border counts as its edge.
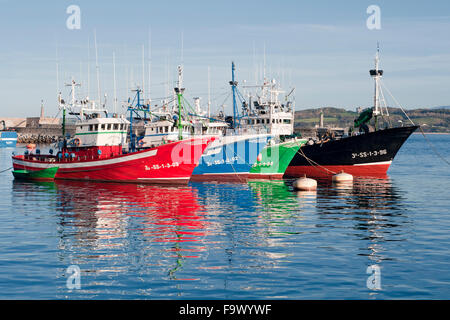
(398, 104)
(6, 170)
(312, 162)
(421, 130)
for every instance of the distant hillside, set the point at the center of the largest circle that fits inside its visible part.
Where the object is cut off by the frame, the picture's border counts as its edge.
(442, 107)
(431, 120)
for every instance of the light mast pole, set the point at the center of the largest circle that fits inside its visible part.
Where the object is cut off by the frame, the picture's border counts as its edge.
(179, 92)
(376, 75)
(233, 84)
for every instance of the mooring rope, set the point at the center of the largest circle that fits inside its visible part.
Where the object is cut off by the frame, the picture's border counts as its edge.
(312, 162)
(6, 170)
(245, 162)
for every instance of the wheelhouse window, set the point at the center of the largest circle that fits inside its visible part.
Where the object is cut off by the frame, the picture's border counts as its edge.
(103, 126)
(116, 126)
(109, 126)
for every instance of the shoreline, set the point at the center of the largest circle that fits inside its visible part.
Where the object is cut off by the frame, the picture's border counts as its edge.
(432, 132)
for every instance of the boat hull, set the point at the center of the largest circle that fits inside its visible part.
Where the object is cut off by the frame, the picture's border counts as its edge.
(274, 160)
(368, 154)
(172, 163)
(37, 175)
(230, 158)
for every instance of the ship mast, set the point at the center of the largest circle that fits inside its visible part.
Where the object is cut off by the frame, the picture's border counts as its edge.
(376, 75)
(114, 78)
(97, 68)
(233, 84)
(179, 92)
(62, 104)
(209, 92)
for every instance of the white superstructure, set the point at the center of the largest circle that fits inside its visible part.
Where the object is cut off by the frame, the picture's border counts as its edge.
(101, 132)
(267, 113)
(93, 130)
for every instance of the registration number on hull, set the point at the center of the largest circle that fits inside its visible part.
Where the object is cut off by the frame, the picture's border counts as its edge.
(366, 154)
(162, 166)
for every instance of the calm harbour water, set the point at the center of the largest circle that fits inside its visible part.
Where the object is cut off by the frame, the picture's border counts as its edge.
(258, 240)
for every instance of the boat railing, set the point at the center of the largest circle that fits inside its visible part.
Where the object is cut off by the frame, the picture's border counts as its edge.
(246, 131)
(70, 157)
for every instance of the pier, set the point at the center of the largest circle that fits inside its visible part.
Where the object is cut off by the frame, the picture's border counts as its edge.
(39, 130)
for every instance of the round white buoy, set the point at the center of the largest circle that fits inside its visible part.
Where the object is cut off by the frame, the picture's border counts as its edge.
(305, 184)
(342, 177)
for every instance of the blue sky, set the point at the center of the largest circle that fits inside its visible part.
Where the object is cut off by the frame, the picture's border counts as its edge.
(322, 48)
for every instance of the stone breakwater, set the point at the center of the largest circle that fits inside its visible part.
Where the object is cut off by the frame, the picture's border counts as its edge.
(47, 130)
(37, 139)
(41, 135)
(52, 134)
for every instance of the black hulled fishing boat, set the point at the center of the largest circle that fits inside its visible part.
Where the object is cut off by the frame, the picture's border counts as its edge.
(367, 150)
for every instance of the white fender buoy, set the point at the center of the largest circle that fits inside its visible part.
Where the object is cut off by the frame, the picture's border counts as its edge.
(342, 177)
(305, 184)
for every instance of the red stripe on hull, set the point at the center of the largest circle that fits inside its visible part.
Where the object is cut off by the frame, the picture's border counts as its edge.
(241, 177)
(367, 170)
(181, 181)
(272, 176)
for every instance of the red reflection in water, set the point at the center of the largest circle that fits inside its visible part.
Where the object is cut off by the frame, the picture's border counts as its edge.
(167, 215)
(170, 214)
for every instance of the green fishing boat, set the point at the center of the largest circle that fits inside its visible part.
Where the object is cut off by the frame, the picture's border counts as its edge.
(265, 113)
(38, 175)
(274, 159)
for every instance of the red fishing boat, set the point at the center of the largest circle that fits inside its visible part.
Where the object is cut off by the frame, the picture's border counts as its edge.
(99, 151)
(170, 163)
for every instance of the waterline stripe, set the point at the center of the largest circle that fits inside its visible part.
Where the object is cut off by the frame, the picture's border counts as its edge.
(373, 163)
(69, 165)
